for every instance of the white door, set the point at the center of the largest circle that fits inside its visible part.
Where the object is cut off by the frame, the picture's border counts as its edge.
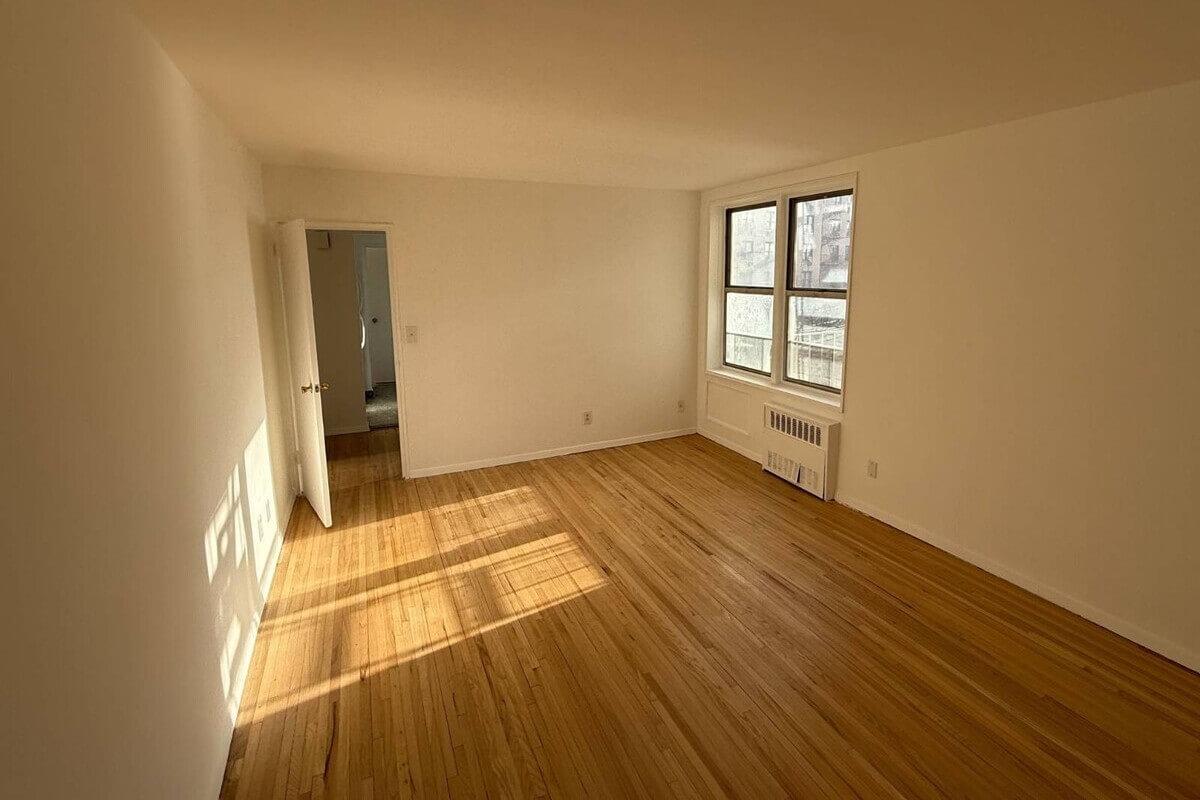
(306, 377)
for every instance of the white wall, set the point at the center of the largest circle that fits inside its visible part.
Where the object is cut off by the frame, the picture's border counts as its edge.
(338, 331)
(533, 302)
(1023, 354)
(145, 479)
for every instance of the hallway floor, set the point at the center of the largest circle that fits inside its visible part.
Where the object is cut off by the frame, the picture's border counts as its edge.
(360, 458)
(381, 408)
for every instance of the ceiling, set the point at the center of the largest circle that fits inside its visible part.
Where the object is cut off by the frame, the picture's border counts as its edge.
(688, 94)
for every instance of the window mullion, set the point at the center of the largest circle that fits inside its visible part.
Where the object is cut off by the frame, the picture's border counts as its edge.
(779, 301)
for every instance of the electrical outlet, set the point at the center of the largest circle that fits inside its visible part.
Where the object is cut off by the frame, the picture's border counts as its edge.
(679, 406)
(587, 418)
(872, 469)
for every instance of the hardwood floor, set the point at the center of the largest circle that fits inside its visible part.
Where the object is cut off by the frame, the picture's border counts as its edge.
(358, 458)
(666, 620)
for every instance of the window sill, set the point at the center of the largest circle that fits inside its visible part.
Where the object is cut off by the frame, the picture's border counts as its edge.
(829, 401)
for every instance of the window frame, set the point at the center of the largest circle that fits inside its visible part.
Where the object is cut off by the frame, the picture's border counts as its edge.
(730, 287)
(793, 202)
(717, 204)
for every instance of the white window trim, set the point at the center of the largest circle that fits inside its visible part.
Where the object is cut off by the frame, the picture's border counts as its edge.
(715, 341)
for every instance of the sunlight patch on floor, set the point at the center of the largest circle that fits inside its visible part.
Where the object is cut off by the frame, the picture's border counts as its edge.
(428, 612)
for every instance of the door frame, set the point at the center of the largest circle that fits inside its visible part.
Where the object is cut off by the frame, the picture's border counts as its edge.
(388, 229)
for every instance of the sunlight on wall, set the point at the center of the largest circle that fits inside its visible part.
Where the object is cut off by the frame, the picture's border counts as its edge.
(265, 529)
(241, 545)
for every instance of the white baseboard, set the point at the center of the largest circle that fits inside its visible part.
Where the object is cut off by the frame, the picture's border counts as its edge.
(721, 440)
(1118, 625)
(425, 472)
(349, 429)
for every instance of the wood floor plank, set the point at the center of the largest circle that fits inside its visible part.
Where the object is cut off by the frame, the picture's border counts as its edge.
(666, 620)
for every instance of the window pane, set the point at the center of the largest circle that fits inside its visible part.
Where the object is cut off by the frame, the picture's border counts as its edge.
(748, 330)
(821, 243)
(816, 340)
(752, 247)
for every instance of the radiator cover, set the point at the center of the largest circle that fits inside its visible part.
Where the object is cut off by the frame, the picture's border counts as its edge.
(802, 449)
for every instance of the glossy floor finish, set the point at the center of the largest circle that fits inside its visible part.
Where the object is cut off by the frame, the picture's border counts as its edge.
(666, 620)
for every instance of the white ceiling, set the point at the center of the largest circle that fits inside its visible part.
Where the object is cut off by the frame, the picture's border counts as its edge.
(688, 94)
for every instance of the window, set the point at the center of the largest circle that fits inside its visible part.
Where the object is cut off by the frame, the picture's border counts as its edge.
(750, 286)
(818, 276)
(816, 280)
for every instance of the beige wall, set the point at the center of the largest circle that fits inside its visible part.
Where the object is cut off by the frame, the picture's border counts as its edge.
(533, 303)
(145, 473)
(339, 335)
(1024, 352)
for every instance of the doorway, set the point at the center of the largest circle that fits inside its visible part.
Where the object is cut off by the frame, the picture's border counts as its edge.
(375, 312)
(352, 323)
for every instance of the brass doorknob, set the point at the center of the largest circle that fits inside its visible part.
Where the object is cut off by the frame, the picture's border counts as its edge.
(308, 387)
(324, 387)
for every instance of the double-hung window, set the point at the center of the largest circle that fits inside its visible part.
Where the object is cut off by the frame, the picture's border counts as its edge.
(750, 286)
(818, 277)
(809, 347)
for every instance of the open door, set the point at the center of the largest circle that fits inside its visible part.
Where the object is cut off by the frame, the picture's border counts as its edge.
(306, 377)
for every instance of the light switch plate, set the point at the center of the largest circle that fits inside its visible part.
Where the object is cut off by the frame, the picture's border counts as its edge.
(410, 334)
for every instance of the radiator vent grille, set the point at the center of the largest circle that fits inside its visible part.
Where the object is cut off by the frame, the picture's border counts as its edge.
(796, 427)
(793, 471)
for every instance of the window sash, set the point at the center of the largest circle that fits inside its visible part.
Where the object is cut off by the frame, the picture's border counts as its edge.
(725, 332)
(729, 212)
(735, 288)
(792, 221)
(832, 294)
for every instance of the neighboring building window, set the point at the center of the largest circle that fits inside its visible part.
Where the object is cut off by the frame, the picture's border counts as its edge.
(818, 276)
(749, 286)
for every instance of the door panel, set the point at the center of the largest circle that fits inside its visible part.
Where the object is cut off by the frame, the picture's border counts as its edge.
(306, 377)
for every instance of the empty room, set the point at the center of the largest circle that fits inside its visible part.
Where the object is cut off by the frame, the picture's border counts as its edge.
(558, 399)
